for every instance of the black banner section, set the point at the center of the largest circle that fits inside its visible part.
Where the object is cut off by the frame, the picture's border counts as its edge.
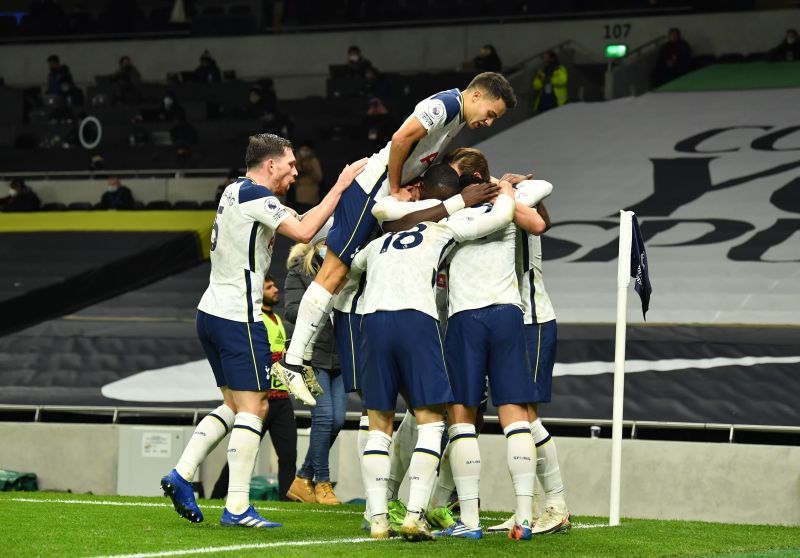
(48, 274)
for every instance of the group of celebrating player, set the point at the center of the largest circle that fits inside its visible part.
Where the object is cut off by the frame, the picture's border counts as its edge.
(451, 230)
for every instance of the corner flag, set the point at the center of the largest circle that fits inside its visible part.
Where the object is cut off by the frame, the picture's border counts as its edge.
(632, 263)
(639, 269)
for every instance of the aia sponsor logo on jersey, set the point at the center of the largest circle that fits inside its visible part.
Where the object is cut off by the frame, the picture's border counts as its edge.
(429, 159)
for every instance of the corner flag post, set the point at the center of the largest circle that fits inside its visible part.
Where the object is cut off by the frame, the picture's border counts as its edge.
(632, 263)
(623, 280)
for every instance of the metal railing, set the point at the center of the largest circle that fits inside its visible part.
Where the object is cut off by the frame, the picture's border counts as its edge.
(195, 413)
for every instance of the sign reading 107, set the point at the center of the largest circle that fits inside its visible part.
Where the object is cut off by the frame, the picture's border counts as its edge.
(616, 31)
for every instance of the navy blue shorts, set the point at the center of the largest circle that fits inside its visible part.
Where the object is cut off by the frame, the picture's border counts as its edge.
(540, 345)
(353, 222)
(238, 352)
(488, 342)
(347, 331)
(403, 351)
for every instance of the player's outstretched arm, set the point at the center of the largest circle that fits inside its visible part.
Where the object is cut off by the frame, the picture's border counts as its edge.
(529, 220)
(397, 215)
(403, 141)
(501, 215)
(542, 211)
(303, 231)
(531, 192)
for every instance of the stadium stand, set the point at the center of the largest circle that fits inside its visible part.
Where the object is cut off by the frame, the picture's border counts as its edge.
(96, 305)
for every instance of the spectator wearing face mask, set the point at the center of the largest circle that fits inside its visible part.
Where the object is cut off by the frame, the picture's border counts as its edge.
(788, 50)
(116, 196)
(20, 198)
(171, 110)
(357, 64)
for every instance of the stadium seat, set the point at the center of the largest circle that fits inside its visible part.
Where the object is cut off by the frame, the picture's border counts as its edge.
(185, 204)
(158, 204)
(730, 58)
(53, 206)
(80, 206)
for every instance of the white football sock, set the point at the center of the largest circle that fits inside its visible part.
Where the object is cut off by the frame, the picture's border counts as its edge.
(375, 469)
(313, 311)
(242, 452)
(521, 458)
(444, 483)
(361, 443)
(209, 432)
(308, 354)
(405, 440)
(547, 468)
(424, 462)
(465, 460)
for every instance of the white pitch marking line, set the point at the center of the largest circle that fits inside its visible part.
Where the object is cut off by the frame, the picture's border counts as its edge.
(215, 549)
(263, 508)
(165, 505)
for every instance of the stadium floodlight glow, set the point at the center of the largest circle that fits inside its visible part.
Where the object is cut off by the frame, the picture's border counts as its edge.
(616, 51)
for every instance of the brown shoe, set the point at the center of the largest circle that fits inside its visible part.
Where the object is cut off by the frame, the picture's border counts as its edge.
(301, 491)
(325, 494)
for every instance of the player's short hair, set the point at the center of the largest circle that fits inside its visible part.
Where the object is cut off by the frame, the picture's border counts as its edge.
(261, 147)
(469, 161)
(495, 86)
(440, 181)
(268, 278)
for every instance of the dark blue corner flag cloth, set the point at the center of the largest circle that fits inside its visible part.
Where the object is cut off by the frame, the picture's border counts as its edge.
(639, 266)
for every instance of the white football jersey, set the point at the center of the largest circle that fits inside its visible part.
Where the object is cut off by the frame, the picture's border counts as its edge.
(241, 250)
(442, 115)
(536, 304)
(483, 272)
(401, 267)
(351, 298)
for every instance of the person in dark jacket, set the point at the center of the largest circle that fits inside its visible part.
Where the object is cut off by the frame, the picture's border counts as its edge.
(117, 196)
(58, 72)
(20, 198)
(313, 481)
(488, 60)
(788, 50)
(674, 58)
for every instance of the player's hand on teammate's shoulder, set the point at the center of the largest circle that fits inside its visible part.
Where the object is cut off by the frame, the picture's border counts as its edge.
(476, 194)
(515, 179)
(506, 188)
(349, 173)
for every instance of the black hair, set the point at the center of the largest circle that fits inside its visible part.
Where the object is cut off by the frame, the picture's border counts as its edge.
(261, 147)
(54, 58)
(268, 278)
(495, 86)
(440, 182)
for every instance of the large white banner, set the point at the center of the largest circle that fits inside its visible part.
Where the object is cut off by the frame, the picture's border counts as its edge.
(715, 181)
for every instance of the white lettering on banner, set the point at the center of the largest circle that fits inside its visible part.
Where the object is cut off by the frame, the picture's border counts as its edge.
(714, 184)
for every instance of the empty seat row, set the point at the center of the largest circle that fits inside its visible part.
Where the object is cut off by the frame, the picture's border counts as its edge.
(155, 204)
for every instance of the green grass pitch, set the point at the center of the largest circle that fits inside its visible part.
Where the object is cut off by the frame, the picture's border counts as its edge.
(57, 524)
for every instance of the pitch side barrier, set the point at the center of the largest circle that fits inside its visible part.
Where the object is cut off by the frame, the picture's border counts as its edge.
(119, 415)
